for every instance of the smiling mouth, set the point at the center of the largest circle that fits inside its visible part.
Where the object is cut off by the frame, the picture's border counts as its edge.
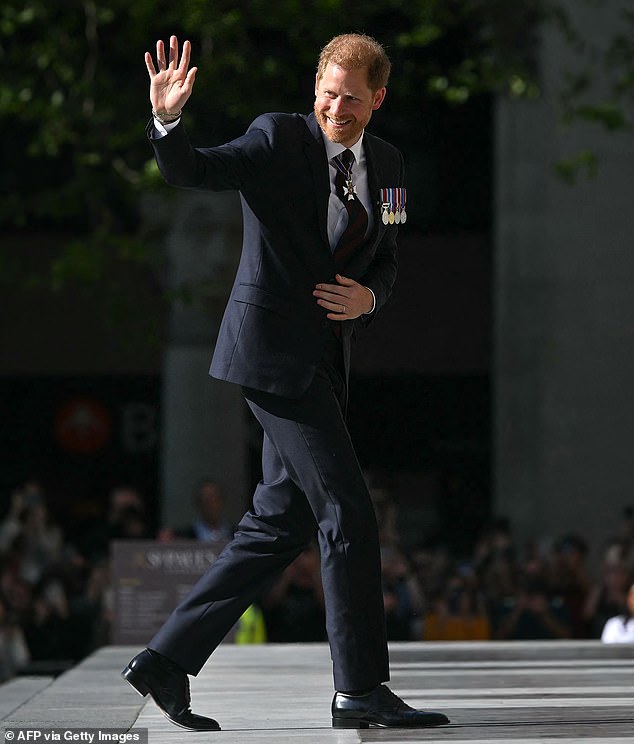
(338, 123)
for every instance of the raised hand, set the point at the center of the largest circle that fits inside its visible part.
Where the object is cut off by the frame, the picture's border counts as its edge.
(172, 85)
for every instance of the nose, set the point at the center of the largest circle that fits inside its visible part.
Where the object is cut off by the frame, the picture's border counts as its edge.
(336, 105)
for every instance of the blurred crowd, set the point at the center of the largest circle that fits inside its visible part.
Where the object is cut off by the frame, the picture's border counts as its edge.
(56, 600)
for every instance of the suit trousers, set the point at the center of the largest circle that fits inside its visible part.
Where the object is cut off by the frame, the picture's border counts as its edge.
(311, 479)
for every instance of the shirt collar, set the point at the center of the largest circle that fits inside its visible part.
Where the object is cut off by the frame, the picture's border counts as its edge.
(336, 148)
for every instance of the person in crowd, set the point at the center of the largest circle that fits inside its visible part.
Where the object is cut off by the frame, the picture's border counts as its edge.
(401, 595)
(620, 629)
(459, 614)
(294, 608)
(569, 579)
(210, 524)
(607, 596)
(495, 561)
(14, 652)
(126, 518)
(533, 614)
(47, 629)
(41, 539)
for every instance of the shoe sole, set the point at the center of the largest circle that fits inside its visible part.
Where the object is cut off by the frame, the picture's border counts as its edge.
(362, 723)
(350, 723)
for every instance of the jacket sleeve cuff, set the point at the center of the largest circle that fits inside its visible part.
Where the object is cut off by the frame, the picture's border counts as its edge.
(163, 129)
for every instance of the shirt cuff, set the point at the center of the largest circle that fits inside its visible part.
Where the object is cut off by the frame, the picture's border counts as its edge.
(373, 302)
(164, 129)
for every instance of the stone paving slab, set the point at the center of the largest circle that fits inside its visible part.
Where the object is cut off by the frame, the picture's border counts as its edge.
(520, 693)
(18, 691)
(90, 694)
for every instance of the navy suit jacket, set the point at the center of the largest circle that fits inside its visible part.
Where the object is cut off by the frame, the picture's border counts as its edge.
(273, 332)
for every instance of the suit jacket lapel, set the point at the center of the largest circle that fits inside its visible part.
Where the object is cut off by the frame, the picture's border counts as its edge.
(316, 155)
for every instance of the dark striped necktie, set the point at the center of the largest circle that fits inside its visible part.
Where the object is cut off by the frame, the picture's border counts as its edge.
(354, 234)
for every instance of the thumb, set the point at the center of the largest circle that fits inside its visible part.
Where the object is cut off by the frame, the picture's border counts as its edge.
(345, 280)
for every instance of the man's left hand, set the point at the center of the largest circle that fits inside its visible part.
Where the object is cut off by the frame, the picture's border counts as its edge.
(346, 300)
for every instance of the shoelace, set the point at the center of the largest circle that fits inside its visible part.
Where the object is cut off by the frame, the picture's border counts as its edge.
(396, 701)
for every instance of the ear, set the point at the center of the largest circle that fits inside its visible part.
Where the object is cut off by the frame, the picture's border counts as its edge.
(316, 83)
(378, 98)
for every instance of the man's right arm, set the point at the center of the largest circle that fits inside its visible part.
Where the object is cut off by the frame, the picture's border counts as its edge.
(171, 84)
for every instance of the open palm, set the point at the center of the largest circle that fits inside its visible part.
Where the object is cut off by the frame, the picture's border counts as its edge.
(171, 85)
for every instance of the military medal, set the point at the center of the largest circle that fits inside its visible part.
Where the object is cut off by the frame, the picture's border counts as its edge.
(349, 187)
(402, 197)
(350, 192)
(390, 215)
(392, 204)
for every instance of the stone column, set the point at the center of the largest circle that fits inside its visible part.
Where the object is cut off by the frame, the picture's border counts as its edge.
(564, 310)
(203, 420)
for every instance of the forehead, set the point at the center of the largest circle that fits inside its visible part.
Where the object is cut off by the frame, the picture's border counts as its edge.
(349, 81)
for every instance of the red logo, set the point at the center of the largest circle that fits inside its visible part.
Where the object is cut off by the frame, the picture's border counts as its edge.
(83, 426)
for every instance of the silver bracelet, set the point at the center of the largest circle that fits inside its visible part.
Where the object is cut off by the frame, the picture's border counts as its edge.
(167, 118)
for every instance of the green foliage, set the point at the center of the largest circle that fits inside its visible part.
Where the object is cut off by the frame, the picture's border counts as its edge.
(599, 64)
(569, 169)
(74, 92)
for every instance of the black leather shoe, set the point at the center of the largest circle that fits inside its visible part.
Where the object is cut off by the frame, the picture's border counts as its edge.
(154, 674)
(381, 707)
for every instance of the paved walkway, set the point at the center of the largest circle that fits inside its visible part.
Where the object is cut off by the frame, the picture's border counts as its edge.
(520, 693)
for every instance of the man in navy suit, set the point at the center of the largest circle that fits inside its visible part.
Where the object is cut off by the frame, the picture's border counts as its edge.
(321, 198)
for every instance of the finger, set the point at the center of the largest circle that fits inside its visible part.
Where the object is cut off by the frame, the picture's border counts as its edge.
(345, 280)
(149, 63)
(173, 52)
(184, 63)
(337, 307)
(335, 297)
(160, 54)
(332, 288)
